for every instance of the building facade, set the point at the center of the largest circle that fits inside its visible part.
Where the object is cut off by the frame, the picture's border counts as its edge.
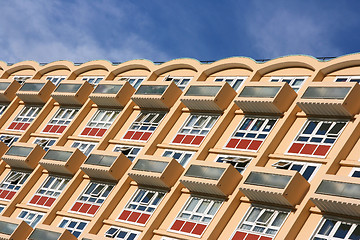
(233, 149)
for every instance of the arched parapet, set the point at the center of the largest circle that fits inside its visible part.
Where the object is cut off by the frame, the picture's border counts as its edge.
(54, 66)
(297, 61)
(3, 65)
(92, 65)
(32, 66)
(139, 64)
(347, 61)
(182, 63)
(230, 63)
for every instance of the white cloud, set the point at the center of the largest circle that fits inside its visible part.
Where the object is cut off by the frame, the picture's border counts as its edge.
(78, 31)
(278, 31)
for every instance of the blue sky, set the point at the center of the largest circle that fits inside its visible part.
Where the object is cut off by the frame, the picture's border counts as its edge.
(116, 30)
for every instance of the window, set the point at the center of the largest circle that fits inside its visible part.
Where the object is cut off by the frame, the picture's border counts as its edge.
(144, 125)
(9, 139)
(21, 79)
(74, 226)
(84, 147)
(316, 138)
(2, 207)
(251, 133)
(12, 183)
(92, 198)
(93, 79)
(355, 172)
(129, 151)
(49, 191)
(60, 121)
(196, 216)
(2, 109)
(239, 162)
(100, 123)
(348, 79)
(24, 118)
(30, 217)
(260, 221)
(55, 79)
(307, 170)
(134, 81)
(195, 129)
(331, 229)
(141, 206)
(181, 82)
(235, 82)
(183, 157)
(294, 82)
(122, 233)
(45, 143)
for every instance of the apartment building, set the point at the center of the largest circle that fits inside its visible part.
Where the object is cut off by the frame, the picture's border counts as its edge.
(233, 149)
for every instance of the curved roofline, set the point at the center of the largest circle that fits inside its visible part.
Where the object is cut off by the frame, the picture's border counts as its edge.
(22, 66)
(132, 65)
(181, 63)
(91, 65)
(346, 61)
(231, 63)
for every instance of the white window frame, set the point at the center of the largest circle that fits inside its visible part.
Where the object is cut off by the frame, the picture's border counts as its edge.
(232, 81)
(10, 139)
(196, 129)
(21, 78)
(94, 80)
(30, 217)
(117, 231)
(73, 229)
(194, 213)
(128, 151)
(54, 189)
(338, 223)
(45, 143)
(149, 207)
(150, 123)
(85, 197)
(24, 117)
(179, 81)
(2, 108)
(260, 131)
(236, 161)
(62, 117)
(55, 79)
(353, 170)
(314, 135)
(348, 79)
(106, 119)
(15, 179)
(84, 146)
(258, 224)
(134, 81)
(181, 155)
(290, 81)
(2, 207)
(288, 164)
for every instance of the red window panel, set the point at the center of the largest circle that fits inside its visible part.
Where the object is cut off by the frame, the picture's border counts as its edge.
(6, 194)
(85, 208)
(42, 201)
(188, 227)
(188, 139)
(137, 135)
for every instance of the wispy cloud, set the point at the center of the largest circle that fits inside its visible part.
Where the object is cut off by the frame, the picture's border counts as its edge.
(277, 30)
(77, 31)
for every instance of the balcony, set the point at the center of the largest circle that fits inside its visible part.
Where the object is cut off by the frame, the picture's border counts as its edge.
(23, 155)
(13, 229)
(112, 94)
(72, 92)
(156, 95)
(8, 90)
(35, 91)
(339, 195)
(45, 232)
(274, 98)
(62, 160)
(153, 171)
(275, 186)
(211, 178)
(106, 165)
(339, 100)
(214, 97)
